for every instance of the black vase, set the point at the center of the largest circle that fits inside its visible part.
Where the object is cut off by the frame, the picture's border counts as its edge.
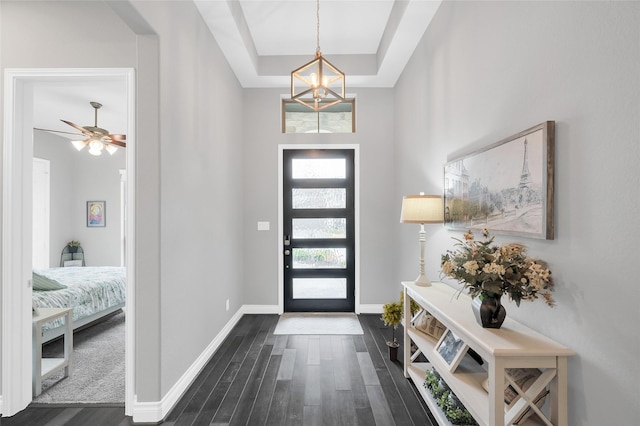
(72, 249)
(488, 310)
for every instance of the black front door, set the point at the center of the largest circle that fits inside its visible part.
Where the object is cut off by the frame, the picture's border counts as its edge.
(318, 224)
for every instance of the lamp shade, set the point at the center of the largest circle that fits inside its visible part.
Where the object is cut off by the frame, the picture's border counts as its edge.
(422, 209)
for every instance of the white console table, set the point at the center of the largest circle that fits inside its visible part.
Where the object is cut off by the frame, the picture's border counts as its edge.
(45, 367)
(512, 346)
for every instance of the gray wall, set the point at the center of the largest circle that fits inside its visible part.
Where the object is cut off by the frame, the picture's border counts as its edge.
(75, 178)
(379, 211)
(189, 167)
(201, 127)
(486, 70)
(57, 32)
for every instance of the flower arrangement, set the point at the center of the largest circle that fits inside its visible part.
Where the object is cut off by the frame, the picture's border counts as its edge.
(487, 269)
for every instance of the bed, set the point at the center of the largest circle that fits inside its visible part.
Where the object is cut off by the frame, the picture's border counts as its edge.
(92, 292)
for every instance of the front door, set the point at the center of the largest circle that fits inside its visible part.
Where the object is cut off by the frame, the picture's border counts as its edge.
(319, 228)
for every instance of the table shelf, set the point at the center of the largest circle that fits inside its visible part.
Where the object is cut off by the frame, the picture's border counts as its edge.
(513, 346)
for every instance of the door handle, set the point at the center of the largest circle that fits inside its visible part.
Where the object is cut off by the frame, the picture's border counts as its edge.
(287, 252)
(287, 240)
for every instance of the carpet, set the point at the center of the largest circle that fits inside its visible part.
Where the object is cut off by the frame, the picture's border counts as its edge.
(318, 323)
(97, 366)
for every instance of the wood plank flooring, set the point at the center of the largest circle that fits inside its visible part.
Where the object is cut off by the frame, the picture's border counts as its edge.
(258, 378)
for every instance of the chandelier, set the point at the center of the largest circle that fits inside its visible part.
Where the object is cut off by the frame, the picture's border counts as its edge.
(320, 84)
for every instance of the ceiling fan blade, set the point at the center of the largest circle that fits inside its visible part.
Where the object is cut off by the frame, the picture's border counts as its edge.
(75, 126)
(57, 131)
(117, 137)
(118, 143)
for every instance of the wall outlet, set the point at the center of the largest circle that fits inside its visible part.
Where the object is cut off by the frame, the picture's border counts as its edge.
(227, 304)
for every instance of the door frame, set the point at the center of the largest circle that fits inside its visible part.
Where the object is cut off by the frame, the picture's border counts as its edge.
(356, 174)
(15, 368)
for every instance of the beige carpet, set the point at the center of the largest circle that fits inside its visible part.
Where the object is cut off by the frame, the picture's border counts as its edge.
(318, 323)
(97, 366)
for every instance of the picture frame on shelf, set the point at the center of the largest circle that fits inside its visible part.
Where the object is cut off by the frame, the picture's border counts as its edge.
(96, 214)
(451, 349)
(506, 187)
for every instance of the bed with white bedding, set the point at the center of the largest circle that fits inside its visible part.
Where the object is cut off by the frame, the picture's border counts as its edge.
(91, 291)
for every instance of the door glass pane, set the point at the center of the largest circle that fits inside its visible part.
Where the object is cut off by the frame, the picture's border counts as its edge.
(319, 198)
(320, 258)
(319, 288)
(318, 168)
(328, 227)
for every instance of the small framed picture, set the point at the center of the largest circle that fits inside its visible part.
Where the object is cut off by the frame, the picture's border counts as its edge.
(96, 214)
(451, 349)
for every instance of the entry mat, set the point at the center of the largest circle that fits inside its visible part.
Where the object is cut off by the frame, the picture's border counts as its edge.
(318, 323)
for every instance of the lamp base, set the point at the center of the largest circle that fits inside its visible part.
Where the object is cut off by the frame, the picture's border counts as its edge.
(422, 281)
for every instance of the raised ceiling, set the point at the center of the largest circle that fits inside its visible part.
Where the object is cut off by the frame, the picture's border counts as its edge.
(369, 40)
(263, 41)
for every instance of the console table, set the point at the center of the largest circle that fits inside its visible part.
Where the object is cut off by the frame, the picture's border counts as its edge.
(512, 346)
(45, 367)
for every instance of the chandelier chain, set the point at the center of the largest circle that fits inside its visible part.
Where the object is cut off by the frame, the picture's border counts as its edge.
(318, 26)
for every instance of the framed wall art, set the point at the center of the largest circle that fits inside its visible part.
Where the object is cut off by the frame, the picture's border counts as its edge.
(96, 214)
(451, 349)
(506, 187)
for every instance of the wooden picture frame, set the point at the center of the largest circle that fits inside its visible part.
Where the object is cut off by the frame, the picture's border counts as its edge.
(506, 187)
(450, 348)
(96, 214)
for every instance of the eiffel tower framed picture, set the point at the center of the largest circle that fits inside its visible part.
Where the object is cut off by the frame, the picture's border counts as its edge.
(506, 187)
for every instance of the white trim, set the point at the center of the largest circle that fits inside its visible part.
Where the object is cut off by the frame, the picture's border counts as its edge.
(16, 272)
(260, 309)
(356, 174)
(156, 411)
(371, 309)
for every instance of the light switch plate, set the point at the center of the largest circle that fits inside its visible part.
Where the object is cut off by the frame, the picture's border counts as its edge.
(263, 226)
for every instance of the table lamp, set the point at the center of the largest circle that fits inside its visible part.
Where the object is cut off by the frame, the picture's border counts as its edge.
(422, 209)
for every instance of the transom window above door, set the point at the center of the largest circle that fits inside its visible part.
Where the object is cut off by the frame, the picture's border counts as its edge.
(339, 118)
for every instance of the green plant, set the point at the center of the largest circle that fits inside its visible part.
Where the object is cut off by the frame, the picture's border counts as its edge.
(73, 243)
(487, 269)
(414, 306)
(392, 316)
(447, 401)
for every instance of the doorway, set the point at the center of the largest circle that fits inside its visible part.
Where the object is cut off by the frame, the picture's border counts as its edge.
(319, 230)
(20, 86)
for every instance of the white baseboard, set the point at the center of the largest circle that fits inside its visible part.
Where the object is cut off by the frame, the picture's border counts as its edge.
(370, 309)
(260, 309)
(156, 411)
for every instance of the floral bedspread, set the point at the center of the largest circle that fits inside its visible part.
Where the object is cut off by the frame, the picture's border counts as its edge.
(89, 290)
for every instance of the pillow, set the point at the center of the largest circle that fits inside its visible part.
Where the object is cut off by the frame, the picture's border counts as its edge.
(42, 283)
(428, 324)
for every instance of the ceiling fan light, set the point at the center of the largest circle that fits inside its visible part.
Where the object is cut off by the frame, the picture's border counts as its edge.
(95, 144)
(79, 144)
(94, 151)
(111, 149)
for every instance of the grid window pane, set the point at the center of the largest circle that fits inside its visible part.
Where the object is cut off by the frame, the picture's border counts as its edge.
(320, 228)
(319, 198)
(319, 258)
(318, 168)
(319, 288)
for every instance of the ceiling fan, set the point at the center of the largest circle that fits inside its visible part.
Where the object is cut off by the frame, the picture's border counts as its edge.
(97, 138)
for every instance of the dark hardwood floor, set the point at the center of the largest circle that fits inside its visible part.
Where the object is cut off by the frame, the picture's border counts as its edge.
(258, 378)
